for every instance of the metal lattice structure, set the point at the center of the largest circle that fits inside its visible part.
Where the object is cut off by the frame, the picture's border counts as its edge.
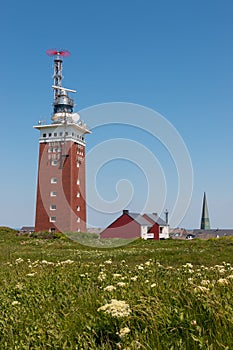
(62, 102)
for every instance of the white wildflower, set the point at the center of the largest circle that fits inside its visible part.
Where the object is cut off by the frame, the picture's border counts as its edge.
(109, 288)
(68, 261)
(189, 265)
(19, 260)
(116, 308)
(45, 262)
(121, 284)
(15, 302)
(223, 281)
(108, 262)
(102, 276)
(153, 285)
(123, 332)
(19, 286)
(205, 282)
(134, 278)
(31, 274)
(201, 289)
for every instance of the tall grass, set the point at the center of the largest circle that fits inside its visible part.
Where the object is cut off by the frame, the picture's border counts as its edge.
(58, 294)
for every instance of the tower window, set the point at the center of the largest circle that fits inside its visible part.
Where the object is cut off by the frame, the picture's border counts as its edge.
(44, 135)
(78, 219)
(55, 134)
(54, 162)
(53, 207)
(78, 194)
(53, 193)
(50, 149)
(78, 208)
(50, 134)
(60, 133)
(78, 229)
(77, 164)
(78, 182)
(53, 180)
(52, 219)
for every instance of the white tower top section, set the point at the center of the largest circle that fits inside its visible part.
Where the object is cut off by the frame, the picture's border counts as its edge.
(63, 115)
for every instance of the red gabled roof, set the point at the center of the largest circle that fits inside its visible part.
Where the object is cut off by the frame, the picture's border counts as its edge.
(149, 219)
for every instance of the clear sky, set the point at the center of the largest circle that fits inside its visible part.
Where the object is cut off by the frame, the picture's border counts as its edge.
(172, 56)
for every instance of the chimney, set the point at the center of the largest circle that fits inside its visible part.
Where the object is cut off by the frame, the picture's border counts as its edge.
(166, 216)
(125, 211)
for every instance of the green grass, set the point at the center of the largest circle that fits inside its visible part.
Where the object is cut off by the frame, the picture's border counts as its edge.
(57, 293)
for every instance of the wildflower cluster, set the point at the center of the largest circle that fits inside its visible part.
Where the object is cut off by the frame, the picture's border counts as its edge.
(116, 308)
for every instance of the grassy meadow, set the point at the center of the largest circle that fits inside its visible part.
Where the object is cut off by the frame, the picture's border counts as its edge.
(168, 295)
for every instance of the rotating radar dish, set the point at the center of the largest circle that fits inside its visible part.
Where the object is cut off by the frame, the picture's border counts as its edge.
(54, 52)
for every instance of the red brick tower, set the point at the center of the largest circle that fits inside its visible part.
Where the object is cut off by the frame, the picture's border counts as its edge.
(61, 195)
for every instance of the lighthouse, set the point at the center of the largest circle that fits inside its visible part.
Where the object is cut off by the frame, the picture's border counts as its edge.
(61, 193)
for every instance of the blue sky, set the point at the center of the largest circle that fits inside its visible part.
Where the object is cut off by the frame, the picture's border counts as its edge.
(175, 57)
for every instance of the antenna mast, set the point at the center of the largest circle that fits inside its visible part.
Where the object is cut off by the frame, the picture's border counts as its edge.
(62, 102)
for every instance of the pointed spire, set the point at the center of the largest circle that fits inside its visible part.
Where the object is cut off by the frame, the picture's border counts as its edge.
(205, 221)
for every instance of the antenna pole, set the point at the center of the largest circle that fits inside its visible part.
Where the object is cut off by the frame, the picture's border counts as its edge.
(57, 73)
(57, 76)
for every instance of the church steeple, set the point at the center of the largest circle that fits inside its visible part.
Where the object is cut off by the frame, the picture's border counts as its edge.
(205, 221)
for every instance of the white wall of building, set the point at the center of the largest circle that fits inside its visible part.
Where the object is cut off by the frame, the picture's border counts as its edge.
(164, 232)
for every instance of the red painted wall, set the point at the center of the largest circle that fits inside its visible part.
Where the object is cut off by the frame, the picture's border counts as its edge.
(66, 200)
(123, 227)
(154, 229)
